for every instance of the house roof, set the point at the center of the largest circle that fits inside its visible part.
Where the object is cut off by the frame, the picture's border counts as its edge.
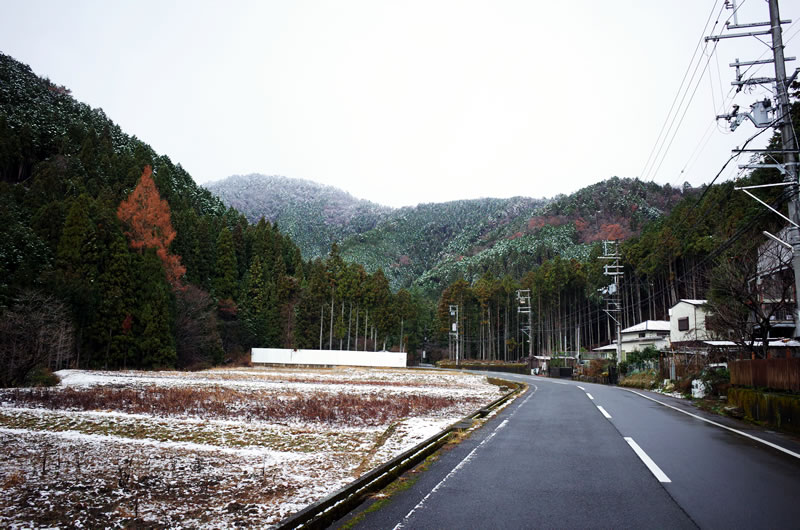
(609, 347)
(772, 343)
(693, 302)
(648, 325)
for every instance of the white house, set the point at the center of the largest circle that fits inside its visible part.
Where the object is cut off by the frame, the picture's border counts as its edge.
(687, 323)
(654, 333)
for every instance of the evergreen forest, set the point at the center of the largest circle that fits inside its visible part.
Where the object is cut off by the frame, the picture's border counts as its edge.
(112, 257)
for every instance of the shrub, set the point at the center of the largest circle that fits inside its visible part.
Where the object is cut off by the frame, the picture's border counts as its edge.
(623, 367)
(717, 379)
(42, 377)
(489, 366)
(596, 368)
(643, 380)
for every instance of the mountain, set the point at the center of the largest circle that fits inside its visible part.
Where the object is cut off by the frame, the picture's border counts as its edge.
(313, 215)
(430, 245)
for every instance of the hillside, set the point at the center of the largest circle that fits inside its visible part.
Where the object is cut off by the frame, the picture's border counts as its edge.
(430, 245)
(505, 236)
(112, 257)
(313, 215)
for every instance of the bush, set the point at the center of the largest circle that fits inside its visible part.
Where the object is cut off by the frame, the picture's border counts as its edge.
(597, 367)
(643, 380)
(623, 367)
(717, 379)
(489, 366)
(42, 377)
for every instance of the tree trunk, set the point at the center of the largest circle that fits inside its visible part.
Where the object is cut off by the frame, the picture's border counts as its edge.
(321, 321)
(349, 323)
(358, 312)
(330, 336)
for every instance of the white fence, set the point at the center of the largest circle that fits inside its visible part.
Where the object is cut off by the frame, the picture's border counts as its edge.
(328, 357)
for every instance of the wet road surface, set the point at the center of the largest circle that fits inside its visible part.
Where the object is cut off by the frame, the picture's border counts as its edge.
(568, 454)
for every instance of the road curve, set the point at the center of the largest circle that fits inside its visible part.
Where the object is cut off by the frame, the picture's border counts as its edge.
(569, 454)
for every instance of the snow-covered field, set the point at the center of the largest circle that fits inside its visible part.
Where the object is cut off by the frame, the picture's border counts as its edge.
(217, 449)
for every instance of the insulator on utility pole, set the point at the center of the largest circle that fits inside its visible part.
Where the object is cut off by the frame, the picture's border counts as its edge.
(760, 116)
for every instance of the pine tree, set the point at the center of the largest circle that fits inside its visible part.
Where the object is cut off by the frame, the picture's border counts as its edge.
(76, 268)
(154, 342)
(227, 268)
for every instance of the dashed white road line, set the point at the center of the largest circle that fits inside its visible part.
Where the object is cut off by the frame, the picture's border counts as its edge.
(606, 414)
(652, 466)
(590, 396)
(461, 464)
(579, 386)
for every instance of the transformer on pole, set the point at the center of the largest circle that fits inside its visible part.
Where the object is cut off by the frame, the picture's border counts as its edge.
(524, 307)
(611, 294)
(786, 158)
(454, 327)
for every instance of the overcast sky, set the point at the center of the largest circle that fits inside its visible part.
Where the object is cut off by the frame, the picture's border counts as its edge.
(405, 102)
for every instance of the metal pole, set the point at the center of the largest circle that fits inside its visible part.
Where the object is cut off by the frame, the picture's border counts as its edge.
(789, 145)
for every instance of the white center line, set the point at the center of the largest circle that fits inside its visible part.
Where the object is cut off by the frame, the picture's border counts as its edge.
(654, 469)
(606, 414)
(590, 396)
(579, 386)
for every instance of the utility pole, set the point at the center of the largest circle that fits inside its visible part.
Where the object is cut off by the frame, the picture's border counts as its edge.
(524, 308)
(611, 294)
(786, 157)
(789, 145)
(454, 327)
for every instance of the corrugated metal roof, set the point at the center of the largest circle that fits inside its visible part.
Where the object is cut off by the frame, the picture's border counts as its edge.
(649, 325)
(693, 302)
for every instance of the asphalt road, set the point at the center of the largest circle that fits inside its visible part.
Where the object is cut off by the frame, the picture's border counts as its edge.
(577, 455)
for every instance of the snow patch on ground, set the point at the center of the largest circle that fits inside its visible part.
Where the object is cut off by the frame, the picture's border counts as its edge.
(109, 468)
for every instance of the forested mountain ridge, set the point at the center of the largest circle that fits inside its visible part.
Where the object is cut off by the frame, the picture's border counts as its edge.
(313, 215)
(430, 245)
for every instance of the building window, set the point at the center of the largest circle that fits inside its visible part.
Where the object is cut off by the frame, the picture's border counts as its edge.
(641, 335)
(683, 324)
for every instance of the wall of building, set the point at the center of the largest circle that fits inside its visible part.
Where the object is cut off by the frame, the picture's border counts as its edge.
(328, 357)
(697, 323)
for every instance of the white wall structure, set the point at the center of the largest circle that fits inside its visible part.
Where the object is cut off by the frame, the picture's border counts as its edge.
(653, 333)
(387, 359)
(687, 321)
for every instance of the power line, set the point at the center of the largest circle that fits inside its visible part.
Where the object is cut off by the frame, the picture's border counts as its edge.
(680, 88)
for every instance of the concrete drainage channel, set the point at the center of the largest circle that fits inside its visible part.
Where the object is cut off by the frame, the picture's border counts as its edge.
(322, 513)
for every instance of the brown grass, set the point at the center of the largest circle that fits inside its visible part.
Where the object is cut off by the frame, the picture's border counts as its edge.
(222, 403)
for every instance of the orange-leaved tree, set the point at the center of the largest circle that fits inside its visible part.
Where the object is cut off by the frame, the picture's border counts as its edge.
(147, 217)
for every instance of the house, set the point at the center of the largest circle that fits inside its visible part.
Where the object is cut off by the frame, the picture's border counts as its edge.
(774, 283)
(652, 333)
(687, 324)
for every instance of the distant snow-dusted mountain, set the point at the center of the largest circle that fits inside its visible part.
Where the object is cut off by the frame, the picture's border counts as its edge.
(431, 245)
(312, 214)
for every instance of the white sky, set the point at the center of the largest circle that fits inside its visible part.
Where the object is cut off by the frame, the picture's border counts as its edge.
(402, 102)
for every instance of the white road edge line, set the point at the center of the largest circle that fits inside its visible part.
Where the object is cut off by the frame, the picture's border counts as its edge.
(606, 414)
(590, 396)
(755, 438)
(652, 466)
(461, 464)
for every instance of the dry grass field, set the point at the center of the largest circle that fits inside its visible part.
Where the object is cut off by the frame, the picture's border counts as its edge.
(221, 448)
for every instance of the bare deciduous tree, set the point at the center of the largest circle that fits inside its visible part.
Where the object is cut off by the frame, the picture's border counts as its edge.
(196, 330)
(750, 293)
(36, 332)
